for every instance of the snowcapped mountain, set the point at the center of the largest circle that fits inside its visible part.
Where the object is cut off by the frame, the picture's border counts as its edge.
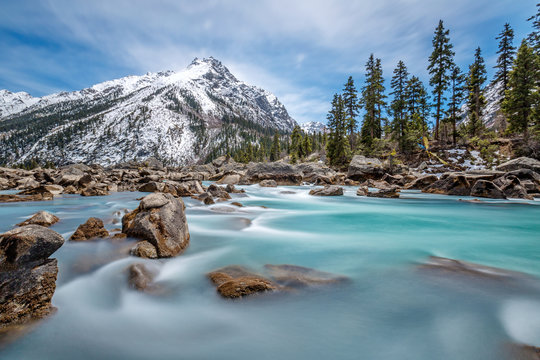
(313, 127)
(178, 117)
(11, 103)
(492, 117)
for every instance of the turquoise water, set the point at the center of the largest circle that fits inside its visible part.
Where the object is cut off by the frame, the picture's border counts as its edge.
(389, 310)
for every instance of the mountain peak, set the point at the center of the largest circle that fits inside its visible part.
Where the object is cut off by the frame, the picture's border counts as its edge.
(180, 117)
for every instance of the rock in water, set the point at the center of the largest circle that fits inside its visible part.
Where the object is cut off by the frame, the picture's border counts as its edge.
(93, 228)
(27, 276)
(328, 190)
(144, 249)
(27, 244)
(160, 219)
(27, 291)
(141, 278)
(236, 281)
(42, 218)
(445, 266)
(299, 276)
(268, 183)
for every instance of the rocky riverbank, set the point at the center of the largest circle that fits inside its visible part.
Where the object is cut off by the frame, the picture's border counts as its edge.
(518, 178)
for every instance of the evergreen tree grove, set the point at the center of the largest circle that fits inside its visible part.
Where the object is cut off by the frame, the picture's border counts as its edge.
(440, 63)
(373, 101)
(475, 98)
(521, 101)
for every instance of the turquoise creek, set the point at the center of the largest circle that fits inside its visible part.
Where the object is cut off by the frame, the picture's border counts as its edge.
(389, 310)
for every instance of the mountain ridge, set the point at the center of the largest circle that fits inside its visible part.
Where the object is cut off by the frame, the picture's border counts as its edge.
(179, 117)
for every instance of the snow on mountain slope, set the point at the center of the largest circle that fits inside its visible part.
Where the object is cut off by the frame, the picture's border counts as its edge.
(313, 127)
(492, 111)
(11, 103)
(179, 117)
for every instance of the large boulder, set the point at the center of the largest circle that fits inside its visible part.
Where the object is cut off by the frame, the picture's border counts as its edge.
(160, 219)
(28, 243)
(27, 292)
(282, 173)
(42, 218)
(27, 276)
(487, 189)
(328, 190)
(362, 168)
(520, 163)
(92, 229)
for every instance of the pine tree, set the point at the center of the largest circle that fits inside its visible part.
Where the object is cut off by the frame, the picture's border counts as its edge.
(296, 143)
(337, 148)
(521, 101)
(373, 101)
(275, 150)
(534, 36)
(307, 145)
(440, 63)
(417, 106)
(475, 88)
(506, 58)
(398, 104)
(350, 100)
(457, 93)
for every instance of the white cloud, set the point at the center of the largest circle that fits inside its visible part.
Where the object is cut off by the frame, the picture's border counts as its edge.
(294, 48)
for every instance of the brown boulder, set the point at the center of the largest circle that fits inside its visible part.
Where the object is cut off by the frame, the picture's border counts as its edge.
(236, 281)
(160, 219)
(268, 183)
(91, 229)
(27, 292)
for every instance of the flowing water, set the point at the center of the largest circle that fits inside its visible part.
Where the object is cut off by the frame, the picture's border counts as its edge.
(390, 309)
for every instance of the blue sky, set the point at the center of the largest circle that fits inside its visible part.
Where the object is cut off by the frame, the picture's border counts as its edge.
(301, 50)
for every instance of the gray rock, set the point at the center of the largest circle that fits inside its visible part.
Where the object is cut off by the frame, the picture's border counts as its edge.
(28, 243)
(361, 168)
(487, 189)
(268, 183)
(520, 163)
(328, 190)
